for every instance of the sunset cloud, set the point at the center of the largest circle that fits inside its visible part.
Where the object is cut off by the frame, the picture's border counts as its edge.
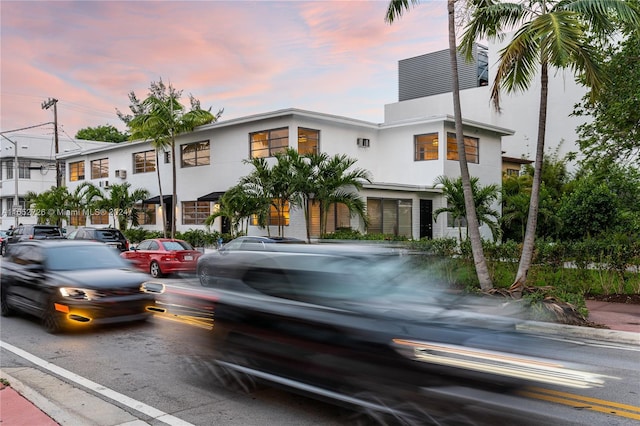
(338, 57)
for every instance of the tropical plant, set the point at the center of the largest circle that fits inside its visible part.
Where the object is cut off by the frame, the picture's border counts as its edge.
(51, 205)
(259, 185)
(120, 202)
(237, 205)
(160, 118)
(556, 34)
(82, 200)
(395, 10)
(484, 197)
(106, 133)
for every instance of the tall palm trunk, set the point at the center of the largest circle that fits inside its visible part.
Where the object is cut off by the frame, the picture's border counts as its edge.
(473, 226)
(175, 197)
(534, 203)
(163, 208)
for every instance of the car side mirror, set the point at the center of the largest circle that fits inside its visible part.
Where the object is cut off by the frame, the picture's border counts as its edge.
(132, 248)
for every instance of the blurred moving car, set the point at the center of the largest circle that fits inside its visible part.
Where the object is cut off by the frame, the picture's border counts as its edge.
(163, 256)
(209, 262)
(366, 329)
(110, 236)
(3, 241)
(68, 283)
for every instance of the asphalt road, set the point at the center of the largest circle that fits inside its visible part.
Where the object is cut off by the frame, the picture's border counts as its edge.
(164, 364)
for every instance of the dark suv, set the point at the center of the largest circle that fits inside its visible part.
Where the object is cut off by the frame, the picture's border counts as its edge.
(33, 232)
(110, 236)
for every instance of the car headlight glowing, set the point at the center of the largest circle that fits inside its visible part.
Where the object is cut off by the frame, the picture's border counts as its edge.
(77, 293)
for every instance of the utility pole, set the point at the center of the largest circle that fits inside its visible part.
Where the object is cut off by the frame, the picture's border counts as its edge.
(46, 105)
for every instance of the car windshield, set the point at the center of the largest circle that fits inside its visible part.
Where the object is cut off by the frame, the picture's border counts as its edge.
(108, 235)
(176, 245)
(82, 257)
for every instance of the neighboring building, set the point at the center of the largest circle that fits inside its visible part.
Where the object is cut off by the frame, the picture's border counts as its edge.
(513, 166)
(36, 171)
(424, 88)
(404, 157)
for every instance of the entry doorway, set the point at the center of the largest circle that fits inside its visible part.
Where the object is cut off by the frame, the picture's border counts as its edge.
(426, 219)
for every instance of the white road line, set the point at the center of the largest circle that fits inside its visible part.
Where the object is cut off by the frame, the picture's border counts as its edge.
(98, 388)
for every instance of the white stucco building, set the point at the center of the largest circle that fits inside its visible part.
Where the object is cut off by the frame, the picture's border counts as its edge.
(35, 171)
(404, 158)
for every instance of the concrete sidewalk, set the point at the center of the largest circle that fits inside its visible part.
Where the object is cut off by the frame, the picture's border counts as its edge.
(23, 405)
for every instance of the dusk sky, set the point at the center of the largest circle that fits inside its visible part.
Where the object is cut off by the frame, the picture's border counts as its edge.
(248, 57)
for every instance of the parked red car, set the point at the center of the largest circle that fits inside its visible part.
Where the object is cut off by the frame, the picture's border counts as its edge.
(162, 256)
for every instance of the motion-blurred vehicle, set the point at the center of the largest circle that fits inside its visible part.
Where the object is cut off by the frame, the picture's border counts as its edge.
(110, 236)
(209, 263)
(3, 241)
(366, 329)
(73, 283)
(161, 256)
(34, 232)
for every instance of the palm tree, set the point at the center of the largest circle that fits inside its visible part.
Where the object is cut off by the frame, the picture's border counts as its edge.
(336, 182)
(161, 118)
(82, 200)
(260, 186)
(556, 34)
(395, 10)
(50, 204)
(483, 198)
(236, 205)
(121, 203)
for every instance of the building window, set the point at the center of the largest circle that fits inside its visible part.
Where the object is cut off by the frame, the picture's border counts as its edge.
(167, 157)
(77, 218)
(195, 212)
(426, 147)
(9, 166)
(267, 143)
(21, 207)
(146, 214)
(144, 162)
(76, 171)
(100, 217)
(338, 216)
(389, 216)
(277, 217)
(470, 147)
(195, 154)
(308, 141)
(100, 168)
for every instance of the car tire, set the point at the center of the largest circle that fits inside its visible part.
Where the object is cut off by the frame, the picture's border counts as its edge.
(205, 277)
(155, 270)
(5, 309)
(51, 320)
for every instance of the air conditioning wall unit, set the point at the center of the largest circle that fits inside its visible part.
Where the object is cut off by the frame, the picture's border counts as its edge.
(363, 142)
(104, 184)
(122, 174)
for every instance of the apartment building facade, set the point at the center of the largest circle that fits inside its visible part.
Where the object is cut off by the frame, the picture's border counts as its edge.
(404, 158)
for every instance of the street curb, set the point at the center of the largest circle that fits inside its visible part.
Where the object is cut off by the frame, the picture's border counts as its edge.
(60, 411)
(591, 333)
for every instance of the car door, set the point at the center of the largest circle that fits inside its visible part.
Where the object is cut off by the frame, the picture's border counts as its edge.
(29, 289)
(137, 256)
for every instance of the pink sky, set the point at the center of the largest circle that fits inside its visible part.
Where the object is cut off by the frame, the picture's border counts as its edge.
(336, 57)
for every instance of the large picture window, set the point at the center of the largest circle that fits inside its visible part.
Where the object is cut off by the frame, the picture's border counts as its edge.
(146, 214)
(338, 216)
(195, 212)
(389, 216)
(276, 216)
(76, 171)
(144, 162)
(195, 154)
(471, 147)
(426, 147)
(100, 217)
(100, 168)
(308, 141)
(267, 143)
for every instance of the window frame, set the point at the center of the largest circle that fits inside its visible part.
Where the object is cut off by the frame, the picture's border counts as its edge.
(270, 149)
(199, 160)
(81, 172)
(430, 140)
(314, 142)
(452, 148)
(148, 164)
(103, 171)
(397, 217)
(198, 217)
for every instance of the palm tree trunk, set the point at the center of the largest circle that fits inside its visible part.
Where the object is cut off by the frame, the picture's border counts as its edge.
(534, 203)
(175, 197)
(163, 208)
(473, 227)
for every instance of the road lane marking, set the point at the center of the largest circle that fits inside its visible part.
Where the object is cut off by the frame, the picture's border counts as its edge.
(583, 402)
(98, 388)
